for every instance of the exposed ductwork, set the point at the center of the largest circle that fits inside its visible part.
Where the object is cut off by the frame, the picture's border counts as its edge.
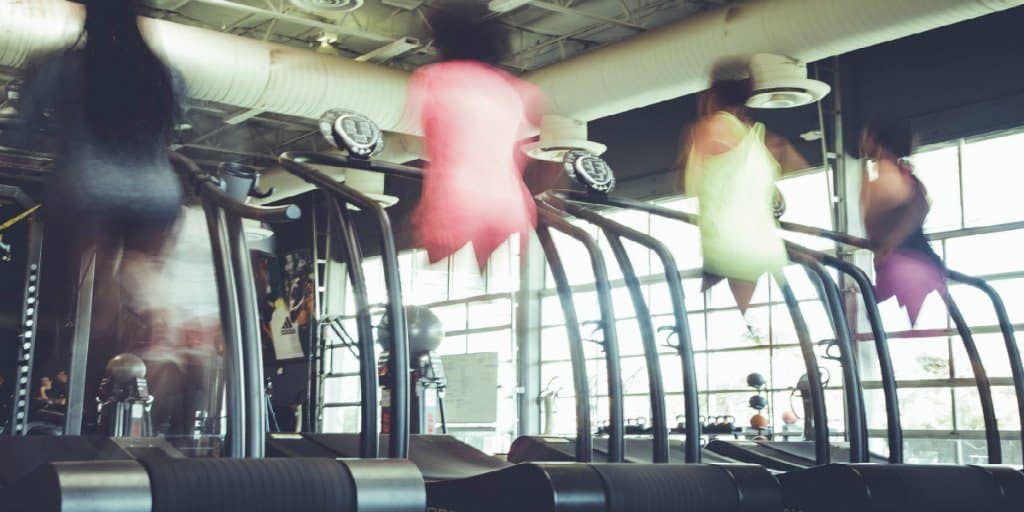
(677, 59)
(224, 68)
(658, 65)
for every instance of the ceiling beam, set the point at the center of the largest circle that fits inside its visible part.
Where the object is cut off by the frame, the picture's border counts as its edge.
(561, 9)
(299, 20)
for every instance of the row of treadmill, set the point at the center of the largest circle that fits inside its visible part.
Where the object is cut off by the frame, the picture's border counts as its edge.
(400, 472)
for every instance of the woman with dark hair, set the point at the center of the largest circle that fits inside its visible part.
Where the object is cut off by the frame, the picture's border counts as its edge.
(108, 106)
(894, 204)
(473, 117)
(731, 163)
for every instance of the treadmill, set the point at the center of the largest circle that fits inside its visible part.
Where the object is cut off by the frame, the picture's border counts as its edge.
(1006, 329)
(859, 486)
(76, 473)
(459, 479)
(597, 178)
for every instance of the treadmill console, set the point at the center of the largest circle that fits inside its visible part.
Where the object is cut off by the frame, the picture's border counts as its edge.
(352, 132)
(589, 170)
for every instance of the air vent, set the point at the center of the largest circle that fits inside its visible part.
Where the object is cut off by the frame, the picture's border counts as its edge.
(781, 82)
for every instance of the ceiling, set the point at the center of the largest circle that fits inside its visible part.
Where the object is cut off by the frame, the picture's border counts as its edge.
(543, 31)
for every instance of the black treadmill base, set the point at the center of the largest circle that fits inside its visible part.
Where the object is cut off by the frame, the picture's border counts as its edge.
(900, 488)
(610, 488)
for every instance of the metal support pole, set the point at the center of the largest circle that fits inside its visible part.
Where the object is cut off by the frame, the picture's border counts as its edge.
(82, 308)
(27, 329)
(528, 337)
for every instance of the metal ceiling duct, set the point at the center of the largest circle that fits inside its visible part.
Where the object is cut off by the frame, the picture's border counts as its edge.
(677, 59)
(661, 64)
(224, 68)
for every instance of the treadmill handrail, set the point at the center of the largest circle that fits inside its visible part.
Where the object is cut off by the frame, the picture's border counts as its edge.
(1009, 338)
(966, 337)
(829, 291)
(296, 163)
(387, 168)
(616, 436)
(369, 439)
(659, 446)
(239, 306)
(988, 414)
(894, 428)
(209, 190)
(581, 386)
(684, 346)
(822, 447)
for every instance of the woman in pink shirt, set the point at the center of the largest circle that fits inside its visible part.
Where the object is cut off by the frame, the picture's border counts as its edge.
(474, 117)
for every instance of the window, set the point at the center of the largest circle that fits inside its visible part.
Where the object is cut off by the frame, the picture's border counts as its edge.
(972, 183)
(727, 351)
(477, 312)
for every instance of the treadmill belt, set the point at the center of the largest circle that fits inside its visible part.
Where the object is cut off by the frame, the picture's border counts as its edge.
(439, 457)
(611, 487)
(779, 456)
(638, 450)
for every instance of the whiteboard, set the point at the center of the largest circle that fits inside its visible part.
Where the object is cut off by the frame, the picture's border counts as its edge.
(472, 394)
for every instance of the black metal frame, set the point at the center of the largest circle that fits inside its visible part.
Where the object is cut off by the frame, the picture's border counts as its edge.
(894, 430)
(239, 308)
(981, 379)
(29, 308)
(828, 291)
(296, 163)
(581, 386)
(547, 218)
(552, 217)
(352, 254)
(822, 446)
(614, 232)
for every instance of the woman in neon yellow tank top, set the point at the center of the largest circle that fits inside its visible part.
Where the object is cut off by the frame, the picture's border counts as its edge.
(731, 165)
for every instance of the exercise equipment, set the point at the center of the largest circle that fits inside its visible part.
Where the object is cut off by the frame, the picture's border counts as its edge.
(586, 486)
(154, 482)
(870, 486)
(878, 332)
(124, 398)
(146, 474)
(425, 335)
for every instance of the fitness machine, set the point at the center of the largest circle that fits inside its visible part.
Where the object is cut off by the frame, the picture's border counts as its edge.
(459, 481)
